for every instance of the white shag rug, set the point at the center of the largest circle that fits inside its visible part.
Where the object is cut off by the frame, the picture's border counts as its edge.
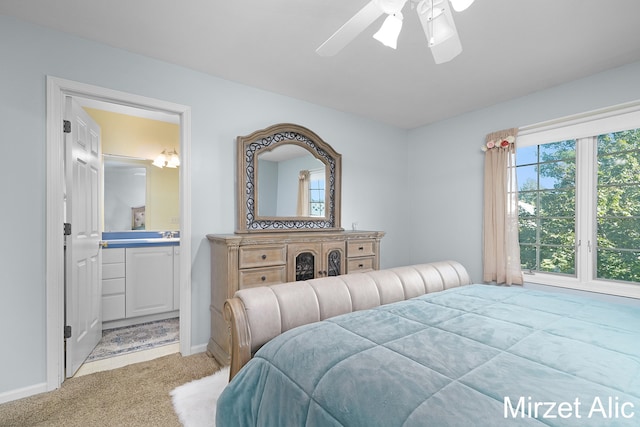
(195, 402)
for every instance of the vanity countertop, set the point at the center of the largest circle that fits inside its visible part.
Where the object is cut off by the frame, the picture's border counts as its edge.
(135, 239)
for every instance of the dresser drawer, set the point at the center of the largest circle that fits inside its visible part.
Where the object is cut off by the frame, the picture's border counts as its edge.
(262, 276)
(360, 264)
(359, 248)
(262, 256)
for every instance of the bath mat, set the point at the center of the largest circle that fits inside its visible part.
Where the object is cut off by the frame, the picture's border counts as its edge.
(128, 339)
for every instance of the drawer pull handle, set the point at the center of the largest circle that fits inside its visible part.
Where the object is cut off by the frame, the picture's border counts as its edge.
(264, 257)
(263, 278)
(360, 265)
(361, 248)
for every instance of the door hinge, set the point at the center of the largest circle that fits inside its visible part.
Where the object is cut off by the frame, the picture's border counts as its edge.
(66, 126)
(67, 332)
(67, 229)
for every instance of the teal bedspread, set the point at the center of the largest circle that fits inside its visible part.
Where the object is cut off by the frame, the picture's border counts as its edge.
(477, 355)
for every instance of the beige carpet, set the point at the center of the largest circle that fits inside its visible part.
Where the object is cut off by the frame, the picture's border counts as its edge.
(135, 395)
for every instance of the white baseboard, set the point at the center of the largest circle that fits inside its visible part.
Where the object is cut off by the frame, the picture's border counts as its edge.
(20, 393)
(201, 348)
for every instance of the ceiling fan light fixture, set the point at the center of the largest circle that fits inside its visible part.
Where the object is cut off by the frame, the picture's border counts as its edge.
(435, 22)
(430, 10)
(460, 5)
(440, 31)
(389, 31)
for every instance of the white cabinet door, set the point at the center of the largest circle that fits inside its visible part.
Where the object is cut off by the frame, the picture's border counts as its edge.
(149, 272)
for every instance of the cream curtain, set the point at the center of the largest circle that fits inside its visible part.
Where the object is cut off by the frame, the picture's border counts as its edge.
(303, 193)
(501, 249)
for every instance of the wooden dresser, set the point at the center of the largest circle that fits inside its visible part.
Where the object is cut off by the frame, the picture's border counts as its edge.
(241, 261)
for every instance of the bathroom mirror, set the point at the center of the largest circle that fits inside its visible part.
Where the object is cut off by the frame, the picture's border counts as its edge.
(288, 180)
(125, 193)
(139, 196)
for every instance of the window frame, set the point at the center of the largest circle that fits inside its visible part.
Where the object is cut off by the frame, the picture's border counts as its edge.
(584, 128)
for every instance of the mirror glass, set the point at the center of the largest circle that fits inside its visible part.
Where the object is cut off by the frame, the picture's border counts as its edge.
(125, 193)
(290, 183)
(288, 180)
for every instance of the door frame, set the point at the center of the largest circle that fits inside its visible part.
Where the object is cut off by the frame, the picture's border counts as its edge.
(57, 90)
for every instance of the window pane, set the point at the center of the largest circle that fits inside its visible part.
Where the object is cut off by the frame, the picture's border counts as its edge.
(547, 207)
(618, 265)
(558, 203)
(317, 196)
(527, 203)
(563, 150)
(527, 155)
(557, 231)
(618, 235)
(619, 201)
(528, 257)
(527, 230)
(317, 209)
(619, 141)
(618, 168)
(621, 233)
(557, 175)
(527, 177)
(557, 260)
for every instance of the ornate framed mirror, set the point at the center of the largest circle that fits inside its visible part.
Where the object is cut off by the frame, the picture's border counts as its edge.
(288, 180)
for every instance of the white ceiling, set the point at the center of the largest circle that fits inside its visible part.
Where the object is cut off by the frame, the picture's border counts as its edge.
(510, 48)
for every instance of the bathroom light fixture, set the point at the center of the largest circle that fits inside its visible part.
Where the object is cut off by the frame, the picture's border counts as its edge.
(389, 31)
(170, 159)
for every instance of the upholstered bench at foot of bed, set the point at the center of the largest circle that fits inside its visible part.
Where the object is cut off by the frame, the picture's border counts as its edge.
(259, 314)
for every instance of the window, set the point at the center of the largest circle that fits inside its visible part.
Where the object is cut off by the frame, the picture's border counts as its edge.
(618, 206)
(316, 193)
(546, 206)
(579, 204)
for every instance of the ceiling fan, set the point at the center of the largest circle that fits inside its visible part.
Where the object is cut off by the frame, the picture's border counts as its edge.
(435, 16)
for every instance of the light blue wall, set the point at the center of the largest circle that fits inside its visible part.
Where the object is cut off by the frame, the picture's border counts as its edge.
(427, 183)
(221, 110)
(446, 164)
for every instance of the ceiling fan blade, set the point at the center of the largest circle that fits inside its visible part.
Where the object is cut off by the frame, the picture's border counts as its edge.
(350, 29)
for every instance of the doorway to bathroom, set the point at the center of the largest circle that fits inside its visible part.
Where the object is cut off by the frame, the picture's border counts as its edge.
(58, 92)
(140, 200)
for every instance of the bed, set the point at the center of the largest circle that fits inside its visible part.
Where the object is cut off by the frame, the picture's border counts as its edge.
(469, 354)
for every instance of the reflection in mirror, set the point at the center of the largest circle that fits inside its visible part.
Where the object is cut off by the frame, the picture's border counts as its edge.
(291, 183)
(312, 191)
(125, 192)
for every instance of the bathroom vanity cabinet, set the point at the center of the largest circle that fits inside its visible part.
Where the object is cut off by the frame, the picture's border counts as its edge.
(140, 284)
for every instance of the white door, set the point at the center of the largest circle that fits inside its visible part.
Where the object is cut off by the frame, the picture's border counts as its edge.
(83, 281)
